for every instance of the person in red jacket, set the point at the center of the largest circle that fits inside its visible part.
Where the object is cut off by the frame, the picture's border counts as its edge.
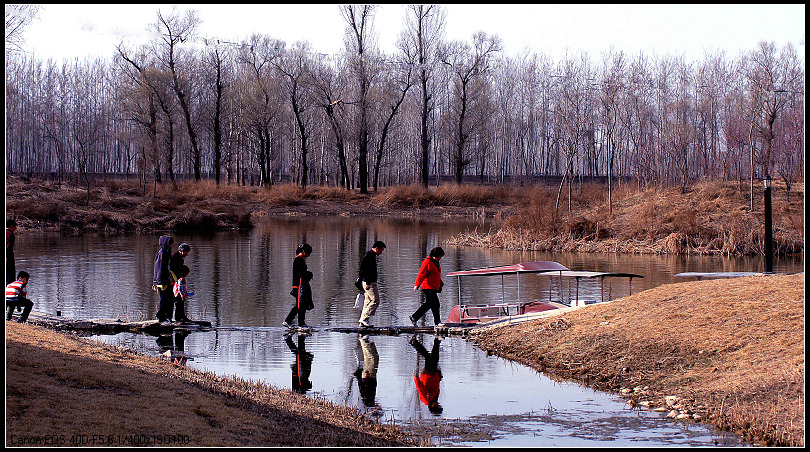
(429, 279)
(427, 382)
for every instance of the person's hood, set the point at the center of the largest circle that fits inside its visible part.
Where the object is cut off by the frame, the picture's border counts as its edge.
(165, 242)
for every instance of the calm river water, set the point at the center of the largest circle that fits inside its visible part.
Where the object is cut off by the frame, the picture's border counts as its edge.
(242, 281)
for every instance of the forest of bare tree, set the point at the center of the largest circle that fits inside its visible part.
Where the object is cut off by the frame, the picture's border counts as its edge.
(262, 111)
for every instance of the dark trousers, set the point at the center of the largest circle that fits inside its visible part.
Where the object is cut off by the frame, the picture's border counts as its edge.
(179, 309)
(11, 271)
(24, 303)
(302, 313)
(432, 358)
(302, 303)
(166, 304)
(431, 302)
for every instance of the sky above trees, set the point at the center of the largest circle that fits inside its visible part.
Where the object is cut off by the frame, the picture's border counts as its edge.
(70, 31)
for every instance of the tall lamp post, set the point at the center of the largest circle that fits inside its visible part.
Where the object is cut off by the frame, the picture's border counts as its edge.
(766, 181)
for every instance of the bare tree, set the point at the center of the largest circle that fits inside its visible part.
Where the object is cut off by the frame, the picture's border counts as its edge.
(330, 90)
(424, 29)
(260, 98)
(771, 76)
(468, 63)
(359, 43)
(399, 80)
(295, 66)
(611, 86)
(176, 30)
(18, 18)
(214, 62)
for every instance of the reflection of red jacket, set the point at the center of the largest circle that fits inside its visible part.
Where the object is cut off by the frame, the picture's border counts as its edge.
(428, 386)
(430, 275)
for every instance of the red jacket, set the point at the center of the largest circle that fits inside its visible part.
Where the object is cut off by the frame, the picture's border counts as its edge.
(427, 384)
(430, 275)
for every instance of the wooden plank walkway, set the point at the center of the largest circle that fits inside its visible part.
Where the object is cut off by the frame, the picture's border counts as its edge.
(447, 329)
(112, 326)
(153, 327)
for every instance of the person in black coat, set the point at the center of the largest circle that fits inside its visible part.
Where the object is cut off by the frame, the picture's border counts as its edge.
(301, 289)
(162, 281)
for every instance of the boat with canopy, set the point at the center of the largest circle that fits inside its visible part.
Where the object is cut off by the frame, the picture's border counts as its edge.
(466, 314)
(462, 313)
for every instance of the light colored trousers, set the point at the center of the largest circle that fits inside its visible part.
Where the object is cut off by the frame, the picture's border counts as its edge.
(371, 301)
(370, 358)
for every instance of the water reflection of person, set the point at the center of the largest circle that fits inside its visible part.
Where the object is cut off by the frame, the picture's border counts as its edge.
(367, 375)
(427, 382)
(173, 346)
(302, 366)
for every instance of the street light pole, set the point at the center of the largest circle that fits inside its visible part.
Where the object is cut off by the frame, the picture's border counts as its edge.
(768, 225)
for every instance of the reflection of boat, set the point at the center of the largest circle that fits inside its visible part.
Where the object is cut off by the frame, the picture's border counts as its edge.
(462, 313)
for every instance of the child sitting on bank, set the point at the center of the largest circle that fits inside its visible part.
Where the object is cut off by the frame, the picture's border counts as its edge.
(15, 297)
(181, 294)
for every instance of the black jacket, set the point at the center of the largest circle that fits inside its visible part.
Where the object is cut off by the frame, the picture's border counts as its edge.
(301, 289)
(368, 267)
(175, 262)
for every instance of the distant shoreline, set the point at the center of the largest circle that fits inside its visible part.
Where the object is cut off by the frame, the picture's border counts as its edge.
(711, 218)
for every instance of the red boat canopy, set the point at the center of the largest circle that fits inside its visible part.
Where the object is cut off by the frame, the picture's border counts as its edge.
(526, 267)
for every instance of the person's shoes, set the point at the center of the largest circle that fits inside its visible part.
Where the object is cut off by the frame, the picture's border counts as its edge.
(286, 325)
(364, 324)
(304, 325)
(440, 325)
(413, 320)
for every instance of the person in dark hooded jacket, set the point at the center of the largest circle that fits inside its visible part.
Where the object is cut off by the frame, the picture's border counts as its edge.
(164, 279)
(301, 289)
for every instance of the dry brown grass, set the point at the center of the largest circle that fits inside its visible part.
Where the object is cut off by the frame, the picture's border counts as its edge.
(59, 385)
(710, 218)
(732, 350)
(415, 195)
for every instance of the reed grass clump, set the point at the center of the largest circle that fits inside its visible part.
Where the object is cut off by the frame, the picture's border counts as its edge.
(709, 218)
(413, 195)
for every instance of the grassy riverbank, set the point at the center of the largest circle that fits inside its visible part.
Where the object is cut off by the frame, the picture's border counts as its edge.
(70, 391)
(727, 352)
(707, 218)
